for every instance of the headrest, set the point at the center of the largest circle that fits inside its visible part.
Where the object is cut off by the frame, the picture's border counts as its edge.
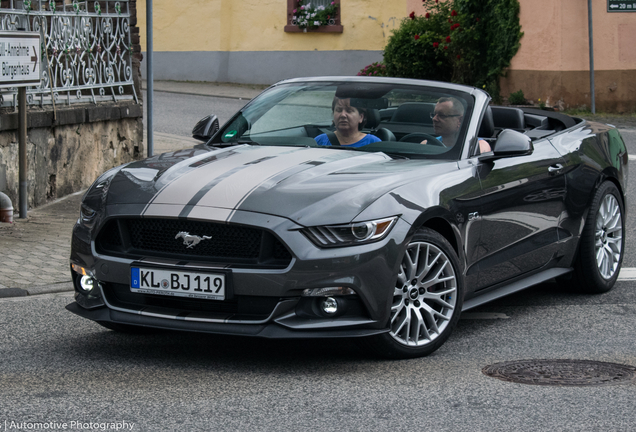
(373, 119)
(414, 112)
(508, 118)
(487, 127)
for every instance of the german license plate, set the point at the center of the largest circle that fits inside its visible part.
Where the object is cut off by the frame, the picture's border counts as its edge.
(177, 283)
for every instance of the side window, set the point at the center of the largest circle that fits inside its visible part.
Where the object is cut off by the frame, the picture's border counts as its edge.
(325, 20)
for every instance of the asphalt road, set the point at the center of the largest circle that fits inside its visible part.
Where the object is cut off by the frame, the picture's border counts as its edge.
(57, 367)
(178, 113)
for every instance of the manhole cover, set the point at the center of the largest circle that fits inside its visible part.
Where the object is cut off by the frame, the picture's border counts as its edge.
(561, 372)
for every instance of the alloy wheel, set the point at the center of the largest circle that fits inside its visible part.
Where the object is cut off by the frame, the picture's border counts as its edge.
(425, 295)
(608, 236)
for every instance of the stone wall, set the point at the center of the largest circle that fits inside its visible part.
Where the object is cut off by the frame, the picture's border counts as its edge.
(67, 155)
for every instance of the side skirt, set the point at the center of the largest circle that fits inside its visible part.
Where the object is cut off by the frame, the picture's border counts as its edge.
(514, 287)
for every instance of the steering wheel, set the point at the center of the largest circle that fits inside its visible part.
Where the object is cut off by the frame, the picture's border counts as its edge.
(418, 137)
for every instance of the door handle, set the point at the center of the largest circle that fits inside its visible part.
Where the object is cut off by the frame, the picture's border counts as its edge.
(553, 169)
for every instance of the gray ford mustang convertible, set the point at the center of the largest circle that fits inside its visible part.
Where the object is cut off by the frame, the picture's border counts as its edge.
(289, 222)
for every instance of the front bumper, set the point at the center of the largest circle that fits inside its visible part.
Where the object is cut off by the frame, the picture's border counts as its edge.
(269, 329)
(262, 302)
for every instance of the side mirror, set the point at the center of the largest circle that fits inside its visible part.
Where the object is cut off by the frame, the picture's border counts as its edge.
(206, 128)
(509, 143)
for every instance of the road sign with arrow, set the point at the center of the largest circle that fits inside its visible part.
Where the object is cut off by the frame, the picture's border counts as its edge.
(621, 6)
(20, 59)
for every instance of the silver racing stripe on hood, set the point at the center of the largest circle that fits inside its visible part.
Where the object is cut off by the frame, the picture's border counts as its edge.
(234, 189)
(226, 182)
(204, 190)
(184, 187)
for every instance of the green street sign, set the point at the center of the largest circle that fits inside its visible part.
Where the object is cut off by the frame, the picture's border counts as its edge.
(621, 5)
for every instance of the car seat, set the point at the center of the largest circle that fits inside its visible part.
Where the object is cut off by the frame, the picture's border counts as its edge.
(414, 112)
(373, 121)
(508, 118)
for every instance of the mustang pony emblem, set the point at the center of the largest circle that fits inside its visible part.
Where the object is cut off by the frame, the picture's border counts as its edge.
(190, 240)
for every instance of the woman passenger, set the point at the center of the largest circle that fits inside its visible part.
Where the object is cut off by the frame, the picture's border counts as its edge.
(349, 120)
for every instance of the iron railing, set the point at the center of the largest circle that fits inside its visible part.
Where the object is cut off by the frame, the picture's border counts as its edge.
(86, 50)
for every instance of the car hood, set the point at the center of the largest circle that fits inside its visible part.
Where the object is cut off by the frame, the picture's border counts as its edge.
(306, 185)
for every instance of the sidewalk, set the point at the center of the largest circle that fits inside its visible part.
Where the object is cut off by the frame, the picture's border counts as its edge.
(34, 252)
(227, 90)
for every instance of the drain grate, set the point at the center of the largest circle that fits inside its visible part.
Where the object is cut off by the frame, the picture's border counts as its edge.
(561, 372)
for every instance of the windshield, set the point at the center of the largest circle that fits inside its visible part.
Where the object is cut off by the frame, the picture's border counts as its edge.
(401, 120)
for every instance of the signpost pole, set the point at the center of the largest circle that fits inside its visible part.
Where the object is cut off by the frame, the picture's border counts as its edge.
(589, 21)
(22, 151)
(149, 78)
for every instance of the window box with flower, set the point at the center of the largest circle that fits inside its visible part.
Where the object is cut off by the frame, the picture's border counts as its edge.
(322, 16)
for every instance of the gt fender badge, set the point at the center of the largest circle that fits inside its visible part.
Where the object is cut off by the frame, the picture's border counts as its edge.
(190, 240)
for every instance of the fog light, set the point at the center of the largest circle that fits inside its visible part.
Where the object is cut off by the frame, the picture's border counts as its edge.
(329, 305)
(87, 283)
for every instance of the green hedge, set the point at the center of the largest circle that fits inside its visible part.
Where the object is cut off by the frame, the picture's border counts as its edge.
(462, 41)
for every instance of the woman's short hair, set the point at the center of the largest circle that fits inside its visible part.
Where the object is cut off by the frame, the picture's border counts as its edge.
(354, 103)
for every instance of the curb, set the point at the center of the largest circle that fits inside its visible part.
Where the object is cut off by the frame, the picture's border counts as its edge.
(13, 292)
(55, 287)
(198, 94)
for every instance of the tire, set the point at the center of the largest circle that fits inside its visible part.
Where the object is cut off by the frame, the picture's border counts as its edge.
(427, 299)
(602, 243)
(127, 328)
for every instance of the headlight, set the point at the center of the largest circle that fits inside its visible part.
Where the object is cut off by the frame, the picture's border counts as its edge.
(95, 196)
(350, 234)
(87, 214)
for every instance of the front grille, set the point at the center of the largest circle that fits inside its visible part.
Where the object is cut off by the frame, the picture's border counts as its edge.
(226, 241)
(213, 242)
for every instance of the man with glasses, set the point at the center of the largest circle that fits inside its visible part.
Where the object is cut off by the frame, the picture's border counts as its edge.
(447, 121)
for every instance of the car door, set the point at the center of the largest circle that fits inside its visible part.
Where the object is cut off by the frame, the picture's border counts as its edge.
(523, 198)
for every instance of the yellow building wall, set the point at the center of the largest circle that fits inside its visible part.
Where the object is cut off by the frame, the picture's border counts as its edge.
(258, 25)
(244, 41)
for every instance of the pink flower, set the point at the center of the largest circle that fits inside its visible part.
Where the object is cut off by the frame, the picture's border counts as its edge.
(295, 10)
